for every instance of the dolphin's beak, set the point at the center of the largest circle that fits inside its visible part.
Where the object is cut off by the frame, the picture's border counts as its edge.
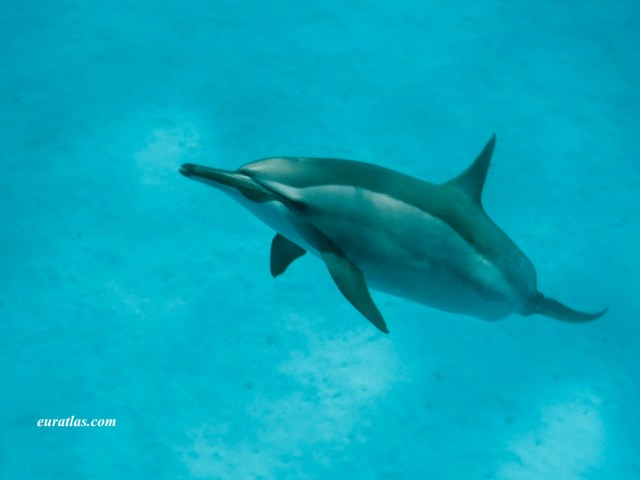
(198, 172)
(215, 176)
(227, 178)
(188, 169)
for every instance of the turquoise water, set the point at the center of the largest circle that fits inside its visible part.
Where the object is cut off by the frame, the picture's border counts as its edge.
(128, 292)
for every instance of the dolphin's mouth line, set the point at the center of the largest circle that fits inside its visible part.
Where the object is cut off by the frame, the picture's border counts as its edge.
(213, 175)
(244, 184)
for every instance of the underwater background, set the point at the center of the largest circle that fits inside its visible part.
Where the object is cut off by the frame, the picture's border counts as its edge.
(129, 292)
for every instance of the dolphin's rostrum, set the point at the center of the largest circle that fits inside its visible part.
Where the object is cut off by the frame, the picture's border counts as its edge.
(374, 227)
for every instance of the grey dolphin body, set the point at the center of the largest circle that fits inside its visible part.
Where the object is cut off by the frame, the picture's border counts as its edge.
(374, 227)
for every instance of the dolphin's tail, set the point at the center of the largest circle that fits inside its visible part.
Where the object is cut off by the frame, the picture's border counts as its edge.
(554, 309)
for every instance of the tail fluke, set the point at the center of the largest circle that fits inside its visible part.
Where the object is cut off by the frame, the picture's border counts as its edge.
(554, 309)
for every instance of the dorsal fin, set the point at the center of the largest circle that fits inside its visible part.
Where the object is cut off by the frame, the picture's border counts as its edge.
(471, 181)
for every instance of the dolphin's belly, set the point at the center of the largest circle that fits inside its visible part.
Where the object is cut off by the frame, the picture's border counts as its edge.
(406, 252)
(442, 289)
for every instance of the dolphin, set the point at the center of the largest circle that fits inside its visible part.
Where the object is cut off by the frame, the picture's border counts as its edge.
(378, 228)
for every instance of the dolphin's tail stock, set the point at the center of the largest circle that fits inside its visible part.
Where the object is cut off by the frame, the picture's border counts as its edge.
(554, 309)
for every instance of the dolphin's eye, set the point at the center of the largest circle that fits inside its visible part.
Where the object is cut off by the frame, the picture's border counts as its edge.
(298, 206)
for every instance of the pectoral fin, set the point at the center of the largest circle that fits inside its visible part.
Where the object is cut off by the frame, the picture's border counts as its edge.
(283, 252)
(350, 280)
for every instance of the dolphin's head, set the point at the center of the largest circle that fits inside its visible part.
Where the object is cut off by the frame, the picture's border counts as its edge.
(272, 165)
(277, 169)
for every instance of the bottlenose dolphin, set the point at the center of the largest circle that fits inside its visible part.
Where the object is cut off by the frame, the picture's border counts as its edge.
(374, 227)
